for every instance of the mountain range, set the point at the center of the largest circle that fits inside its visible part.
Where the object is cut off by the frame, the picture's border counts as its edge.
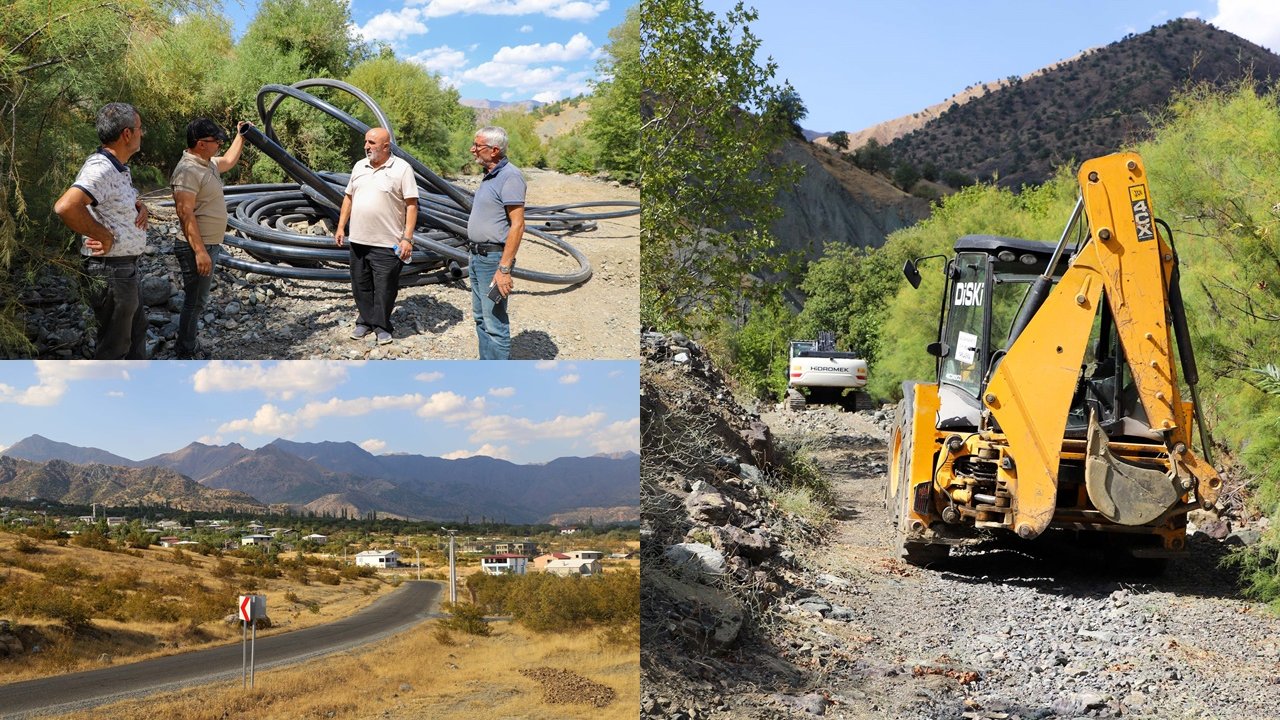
(1016, 131)
(336, 477)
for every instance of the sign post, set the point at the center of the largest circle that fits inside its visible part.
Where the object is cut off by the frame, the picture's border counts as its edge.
(251, 608)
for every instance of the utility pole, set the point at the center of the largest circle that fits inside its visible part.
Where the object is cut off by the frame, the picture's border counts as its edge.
(453, 569)
(418, 552)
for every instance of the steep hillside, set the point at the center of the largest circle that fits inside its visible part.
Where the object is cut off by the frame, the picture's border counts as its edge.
(115, 486)
(834, 201)
(1085, 107)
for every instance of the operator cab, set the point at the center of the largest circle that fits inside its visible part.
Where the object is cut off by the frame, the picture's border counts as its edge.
(986, 282)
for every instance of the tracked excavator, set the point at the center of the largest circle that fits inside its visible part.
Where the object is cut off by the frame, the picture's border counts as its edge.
(1066, 415)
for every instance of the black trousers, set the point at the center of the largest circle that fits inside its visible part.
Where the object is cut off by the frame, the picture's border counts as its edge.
(375, 280)
(115, 295)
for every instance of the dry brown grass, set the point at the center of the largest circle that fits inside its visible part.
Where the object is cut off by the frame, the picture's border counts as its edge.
(414, 676)
(133, 641)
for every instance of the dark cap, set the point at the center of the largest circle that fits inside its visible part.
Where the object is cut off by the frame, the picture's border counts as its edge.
(203, 128)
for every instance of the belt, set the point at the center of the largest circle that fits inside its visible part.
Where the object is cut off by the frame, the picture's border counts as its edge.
(112, 260)
(482, 248)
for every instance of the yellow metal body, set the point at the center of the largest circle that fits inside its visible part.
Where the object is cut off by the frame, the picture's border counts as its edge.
(1031, 390)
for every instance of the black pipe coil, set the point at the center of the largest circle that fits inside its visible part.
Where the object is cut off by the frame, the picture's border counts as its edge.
(261, 214)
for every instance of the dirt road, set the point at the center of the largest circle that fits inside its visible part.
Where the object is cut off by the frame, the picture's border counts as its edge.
(406, 606)
(1000, 631)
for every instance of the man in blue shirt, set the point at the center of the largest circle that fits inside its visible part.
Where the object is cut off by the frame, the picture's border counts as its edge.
(494, 229)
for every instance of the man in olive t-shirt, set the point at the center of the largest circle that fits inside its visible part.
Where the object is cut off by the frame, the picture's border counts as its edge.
(202, 215)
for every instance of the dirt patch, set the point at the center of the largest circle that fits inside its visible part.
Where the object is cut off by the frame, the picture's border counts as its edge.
(561, 687)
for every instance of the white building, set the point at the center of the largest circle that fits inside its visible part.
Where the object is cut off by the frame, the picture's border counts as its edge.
(504, 564)
(574, 567)
(316, 538)
(255, 540)
(378, 559)
(586, 555)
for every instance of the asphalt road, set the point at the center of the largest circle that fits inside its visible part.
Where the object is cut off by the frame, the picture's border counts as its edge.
(407, 605)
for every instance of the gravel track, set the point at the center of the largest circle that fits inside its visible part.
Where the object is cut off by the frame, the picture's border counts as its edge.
(1010, 630)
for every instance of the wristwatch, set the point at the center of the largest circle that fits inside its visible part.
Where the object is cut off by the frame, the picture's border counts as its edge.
(504, 269)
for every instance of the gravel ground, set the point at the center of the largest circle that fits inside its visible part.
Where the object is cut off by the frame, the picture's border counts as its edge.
(255, 317)
(999, 631)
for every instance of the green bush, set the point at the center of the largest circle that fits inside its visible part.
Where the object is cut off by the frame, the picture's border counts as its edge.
(465, 618)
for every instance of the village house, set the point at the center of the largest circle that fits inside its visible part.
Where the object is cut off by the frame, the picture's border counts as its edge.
(255, 540)
(378, 559)
(574, 566)
(504, 564)
(540, 563)
(525, 548)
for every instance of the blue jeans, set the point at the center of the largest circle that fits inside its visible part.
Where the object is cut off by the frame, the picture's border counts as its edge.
(493, 329)
(115, 294)
(196, 294)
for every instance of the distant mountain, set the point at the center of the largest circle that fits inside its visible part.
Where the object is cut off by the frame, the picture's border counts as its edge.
(338, 477)
(1088, 106)
(38, 448)
(198, 460)
(487, 109)
(115, 486)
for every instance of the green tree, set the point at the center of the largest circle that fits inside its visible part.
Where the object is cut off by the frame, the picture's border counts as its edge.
(873, 157)
(288, 41)
(709, 123)
(614, 116)
(524, 146)
(424, 114)
(839, 139)
(906, 176)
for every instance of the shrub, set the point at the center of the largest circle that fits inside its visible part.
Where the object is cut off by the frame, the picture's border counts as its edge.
(26, 545)
(467, 619)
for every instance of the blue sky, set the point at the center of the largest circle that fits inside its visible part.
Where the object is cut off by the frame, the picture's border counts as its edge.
(861, 62)
(526, 412)
(489, 49)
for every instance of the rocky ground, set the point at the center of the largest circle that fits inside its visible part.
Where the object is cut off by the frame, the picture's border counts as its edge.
(840, 628)
(251, 316)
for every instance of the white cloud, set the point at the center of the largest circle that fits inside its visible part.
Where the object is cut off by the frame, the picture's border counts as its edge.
(558, 9)
(617, 437)
(282, 380)
(451, 407)
(373, 445)
(570, 379)
(3, 448)
(526, 28)
(441, 59)
(549, 96)
(502, 391)
(577, 48)
(506, 427)
(428, 376)
(54, 377)
(546, 364)
(115, 394)
(210, 439)
(392, 26)
(271, 420)
(488, 450)
(1257, 21)
(501, 74)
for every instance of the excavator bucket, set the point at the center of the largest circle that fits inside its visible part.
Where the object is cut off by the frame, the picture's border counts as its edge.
(1122, 492)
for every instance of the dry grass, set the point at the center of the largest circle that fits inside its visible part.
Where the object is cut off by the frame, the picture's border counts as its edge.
(132, 641)
(413, 676)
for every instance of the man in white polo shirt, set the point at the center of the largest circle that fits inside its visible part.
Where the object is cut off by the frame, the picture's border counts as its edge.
(382, 204)
(102, 206)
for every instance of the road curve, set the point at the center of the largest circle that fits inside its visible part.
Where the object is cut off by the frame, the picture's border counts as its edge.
(408, 605)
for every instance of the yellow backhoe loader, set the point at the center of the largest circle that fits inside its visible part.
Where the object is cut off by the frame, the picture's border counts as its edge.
(1068, 413)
